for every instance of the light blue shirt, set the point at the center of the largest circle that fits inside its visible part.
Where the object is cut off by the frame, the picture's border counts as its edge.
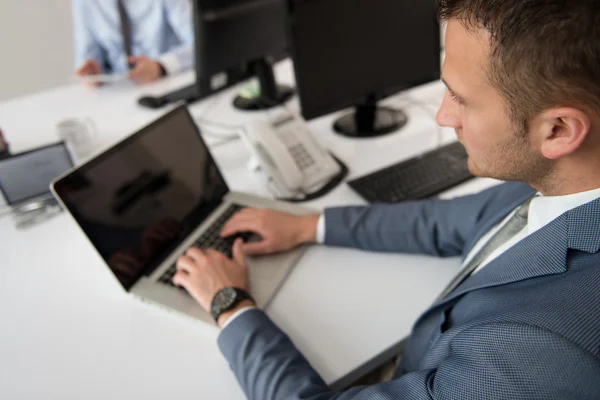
(160, 29)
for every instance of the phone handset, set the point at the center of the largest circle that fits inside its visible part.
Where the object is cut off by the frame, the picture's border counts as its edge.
(274, 157)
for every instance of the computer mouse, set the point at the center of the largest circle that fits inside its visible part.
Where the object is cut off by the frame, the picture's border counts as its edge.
(152, 102)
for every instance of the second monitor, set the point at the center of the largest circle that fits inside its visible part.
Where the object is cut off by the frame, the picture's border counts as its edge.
(246, 34)
(234, 41)
(357, 52)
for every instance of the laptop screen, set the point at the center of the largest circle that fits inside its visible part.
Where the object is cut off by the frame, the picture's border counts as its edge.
(137, 201)
(27, 175)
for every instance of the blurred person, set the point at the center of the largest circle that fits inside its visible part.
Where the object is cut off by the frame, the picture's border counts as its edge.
(147, 39)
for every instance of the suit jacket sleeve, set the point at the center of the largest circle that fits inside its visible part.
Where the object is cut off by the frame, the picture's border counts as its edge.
(435, 227)
(491, 361)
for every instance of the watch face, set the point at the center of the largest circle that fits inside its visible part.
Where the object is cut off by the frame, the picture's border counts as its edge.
(223, 299)
(226, 299)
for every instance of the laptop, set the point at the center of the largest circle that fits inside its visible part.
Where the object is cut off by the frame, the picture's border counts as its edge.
(145, 201)
(25, 177)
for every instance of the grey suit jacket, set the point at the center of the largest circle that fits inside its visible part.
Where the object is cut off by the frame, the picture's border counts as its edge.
(527, 326)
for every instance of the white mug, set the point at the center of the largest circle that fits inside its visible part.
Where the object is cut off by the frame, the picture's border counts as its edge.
(79, 134)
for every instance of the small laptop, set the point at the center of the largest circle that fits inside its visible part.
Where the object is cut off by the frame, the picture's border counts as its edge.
(145, 201)
(25, 177)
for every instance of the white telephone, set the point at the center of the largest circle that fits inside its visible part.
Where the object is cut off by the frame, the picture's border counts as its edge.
(294, 162)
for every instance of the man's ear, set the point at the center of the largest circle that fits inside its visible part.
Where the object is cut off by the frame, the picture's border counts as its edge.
(561, 131)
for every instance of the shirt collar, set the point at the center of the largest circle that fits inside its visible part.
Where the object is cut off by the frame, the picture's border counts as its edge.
(545, 209)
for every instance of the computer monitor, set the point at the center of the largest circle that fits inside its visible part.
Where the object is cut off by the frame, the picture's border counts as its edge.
(234, 41)
(241, 34)
(357, 52)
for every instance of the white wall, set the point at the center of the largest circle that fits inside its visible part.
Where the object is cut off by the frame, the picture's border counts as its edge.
(36, 45)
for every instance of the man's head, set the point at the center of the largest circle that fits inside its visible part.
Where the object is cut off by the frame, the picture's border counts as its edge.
(524, 85)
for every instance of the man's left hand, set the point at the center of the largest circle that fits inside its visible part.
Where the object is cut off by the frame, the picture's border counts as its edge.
(145, 70)
(204, 272)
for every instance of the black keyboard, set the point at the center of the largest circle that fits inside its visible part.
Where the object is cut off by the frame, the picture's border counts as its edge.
(210, 239)
(416, 178)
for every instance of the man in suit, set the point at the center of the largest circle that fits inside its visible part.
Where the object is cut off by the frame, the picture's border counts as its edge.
(146, 39)
(522, 319)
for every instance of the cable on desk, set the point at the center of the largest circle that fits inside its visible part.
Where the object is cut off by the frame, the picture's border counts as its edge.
(231, 135)
(218, 125)
(210, 106)
(223, 142)
(234, 130)
(202, 120)
(427, 109)
(203, 123)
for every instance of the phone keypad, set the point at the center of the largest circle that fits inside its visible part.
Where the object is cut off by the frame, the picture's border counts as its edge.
(314, 163)
(301, 156)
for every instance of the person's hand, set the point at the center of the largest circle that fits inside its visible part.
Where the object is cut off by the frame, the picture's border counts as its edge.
(90, 67)
(204, 272)
(144, 70)
(279, 231)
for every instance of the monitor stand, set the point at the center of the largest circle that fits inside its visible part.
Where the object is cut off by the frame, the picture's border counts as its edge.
(369, 121)
(271, 95)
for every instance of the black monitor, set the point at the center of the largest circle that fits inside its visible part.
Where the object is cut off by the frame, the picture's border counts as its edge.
(357, 52)
(246, 34)
(236, 40)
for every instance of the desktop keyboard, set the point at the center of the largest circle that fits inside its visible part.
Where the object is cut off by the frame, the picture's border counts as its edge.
(210, 239)
(417, 178)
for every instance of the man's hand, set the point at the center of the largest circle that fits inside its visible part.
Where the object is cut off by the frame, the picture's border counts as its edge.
(204, 272)
(145, 70)
(90, 67)
(279, 231)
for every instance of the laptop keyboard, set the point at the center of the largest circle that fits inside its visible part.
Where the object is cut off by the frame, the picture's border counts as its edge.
(210, 239)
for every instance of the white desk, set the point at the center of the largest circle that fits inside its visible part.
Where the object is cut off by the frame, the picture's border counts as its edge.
(69, 331)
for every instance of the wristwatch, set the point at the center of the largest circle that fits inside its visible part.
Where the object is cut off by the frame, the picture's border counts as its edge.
(226, 299)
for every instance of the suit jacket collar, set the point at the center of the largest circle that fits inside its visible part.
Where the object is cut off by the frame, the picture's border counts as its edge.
(519, 198)
(542, 253)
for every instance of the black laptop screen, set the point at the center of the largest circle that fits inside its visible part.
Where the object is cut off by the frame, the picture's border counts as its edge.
(137, 201)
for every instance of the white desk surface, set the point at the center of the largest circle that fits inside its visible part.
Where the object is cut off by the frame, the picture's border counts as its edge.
(70, 332)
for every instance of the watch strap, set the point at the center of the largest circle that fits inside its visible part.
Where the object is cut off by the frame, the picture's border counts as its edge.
(240, 295)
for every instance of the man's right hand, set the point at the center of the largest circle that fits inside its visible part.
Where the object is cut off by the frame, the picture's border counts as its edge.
(279, 231)
(90, 67)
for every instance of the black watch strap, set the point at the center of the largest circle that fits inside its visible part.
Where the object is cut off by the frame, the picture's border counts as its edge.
(163, 71)
(226, 299)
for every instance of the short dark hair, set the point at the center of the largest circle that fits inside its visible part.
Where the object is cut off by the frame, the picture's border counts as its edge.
(544, 53)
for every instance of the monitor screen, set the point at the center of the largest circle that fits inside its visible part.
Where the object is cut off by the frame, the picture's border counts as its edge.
(28, 175)
(140, 199)
(346, 50)
(235, 32)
